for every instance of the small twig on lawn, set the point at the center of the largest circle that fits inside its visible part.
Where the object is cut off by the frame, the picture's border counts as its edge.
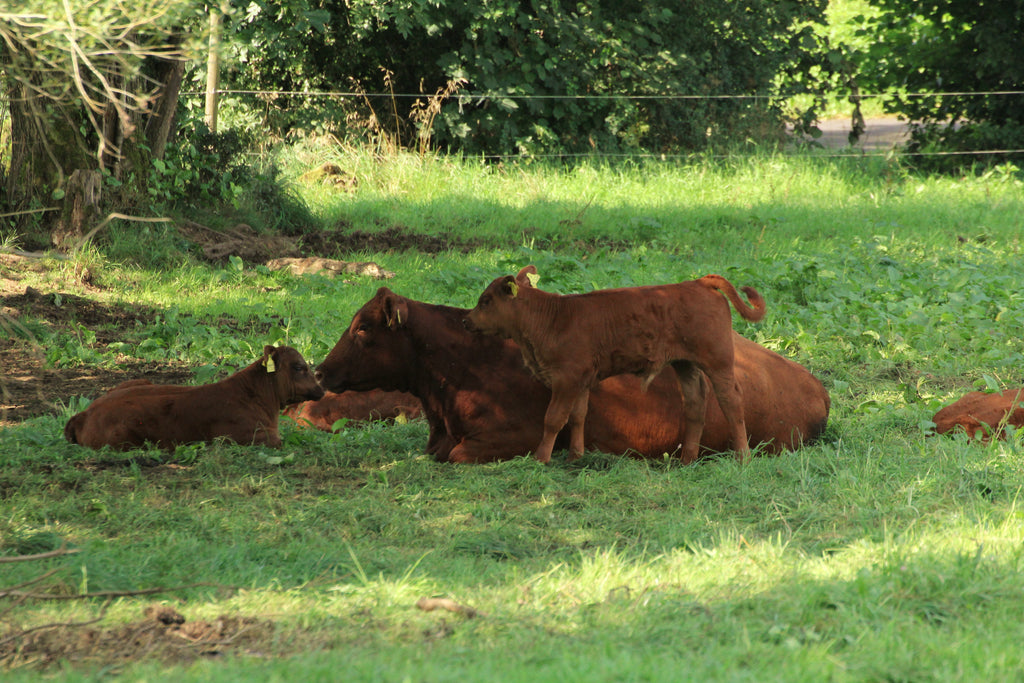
(40, 556)
(579, 217)
(33, 254)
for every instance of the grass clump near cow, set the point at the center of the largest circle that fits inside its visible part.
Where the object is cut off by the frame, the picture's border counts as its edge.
(876, 552)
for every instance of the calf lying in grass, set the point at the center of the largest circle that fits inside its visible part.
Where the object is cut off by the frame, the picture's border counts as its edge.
(243, 407)
(572, 342)
(982, 413)
(355, 406)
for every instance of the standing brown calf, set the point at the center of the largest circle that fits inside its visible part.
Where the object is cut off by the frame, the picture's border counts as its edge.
(243, 407)
(572, 342)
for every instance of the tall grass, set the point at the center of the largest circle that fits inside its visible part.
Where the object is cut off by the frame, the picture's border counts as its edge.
(881, 553)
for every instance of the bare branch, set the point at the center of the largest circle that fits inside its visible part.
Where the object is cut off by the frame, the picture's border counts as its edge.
(40, 556)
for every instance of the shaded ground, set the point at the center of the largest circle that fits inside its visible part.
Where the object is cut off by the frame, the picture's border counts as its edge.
(242, 241)
(28, 386)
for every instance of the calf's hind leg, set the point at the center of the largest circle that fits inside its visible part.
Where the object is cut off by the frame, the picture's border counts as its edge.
(691, 384)
(730, 398)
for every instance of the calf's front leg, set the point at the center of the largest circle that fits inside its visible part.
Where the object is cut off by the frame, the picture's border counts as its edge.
(730, 398)
(562, 402)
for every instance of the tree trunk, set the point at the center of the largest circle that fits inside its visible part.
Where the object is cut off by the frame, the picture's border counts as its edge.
(213, 69)
(160, 123)
(81, 202)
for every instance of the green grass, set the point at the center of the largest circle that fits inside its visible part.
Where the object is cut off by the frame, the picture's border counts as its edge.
(879, 554)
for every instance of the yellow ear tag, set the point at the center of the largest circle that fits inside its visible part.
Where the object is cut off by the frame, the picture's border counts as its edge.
(514, 289)
(534, 278)
(269, 365)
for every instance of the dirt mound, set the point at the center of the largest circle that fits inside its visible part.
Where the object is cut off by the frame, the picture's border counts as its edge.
(163, 635)
(329, 267)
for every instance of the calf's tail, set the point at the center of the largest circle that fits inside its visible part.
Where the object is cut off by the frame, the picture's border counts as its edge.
(753, 311)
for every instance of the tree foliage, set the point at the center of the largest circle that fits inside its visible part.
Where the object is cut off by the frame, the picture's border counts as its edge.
(970, 51)
(541, 75)
(89, 87)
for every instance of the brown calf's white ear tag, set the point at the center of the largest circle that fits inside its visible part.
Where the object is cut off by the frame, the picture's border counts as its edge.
(513, 288)
(269, 364)
(534, 278)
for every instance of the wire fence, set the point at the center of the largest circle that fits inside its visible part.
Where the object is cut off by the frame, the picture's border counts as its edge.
(626, 96)
(837, 151)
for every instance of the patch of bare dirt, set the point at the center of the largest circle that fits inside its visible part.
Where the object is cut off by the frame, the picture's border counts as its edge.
(329, 267)
(241, 241)
(163, 635)
(253, 248)
(29, 389)
(394, 238)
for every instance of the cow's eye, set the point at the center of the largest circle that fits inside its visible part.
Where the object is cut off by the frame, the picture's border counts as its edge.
(299, 367)
(363, 329)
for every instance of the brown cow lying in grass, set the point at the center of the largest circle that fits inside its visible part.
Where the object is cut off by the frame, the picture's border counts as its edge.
(572, 342)
(243, 407)
(482, 404)
(355, 406)
(982, 412)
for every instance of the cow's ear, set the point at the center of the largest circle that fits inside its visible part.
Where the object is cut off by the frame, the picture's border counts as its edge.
(269, 356)
(528, 277)
(396, 311)
(511, 286)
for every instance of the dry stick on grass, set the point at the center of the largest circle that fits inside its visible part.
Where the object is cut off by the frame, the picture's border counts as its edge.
(40, 556)
(105, 221)
(430, 604)
(109, 594)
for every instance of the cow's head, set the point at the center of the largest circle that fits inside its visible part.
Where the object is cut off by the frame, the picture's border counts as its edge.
(292, 378)
(496, 309)
(374, 352)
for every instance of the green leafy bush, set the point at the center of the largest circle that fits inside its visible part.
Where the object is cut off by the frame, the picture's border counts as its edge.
(954, 66)
(544, 76)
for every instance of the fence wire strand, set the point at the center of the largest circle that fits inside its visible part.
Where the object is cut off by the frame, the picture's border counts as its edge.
(464, 97)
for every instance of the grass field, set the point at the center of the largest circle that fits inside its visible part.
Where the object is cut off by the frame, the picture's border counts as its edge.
(881, 553)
